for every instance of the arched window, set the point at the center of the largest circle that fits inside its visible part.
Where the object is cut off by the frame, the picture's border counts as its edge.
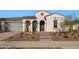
(34, 25)
(27, 25)
(42, 14)
(55, 24)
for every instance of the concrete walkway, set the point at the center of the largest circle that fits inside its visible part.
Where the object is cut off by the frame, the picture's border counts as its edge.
(44, 36)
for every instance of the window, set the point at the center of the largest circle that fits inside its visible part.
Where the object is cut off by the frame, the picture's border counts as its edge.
(42, 14)
(55, 23)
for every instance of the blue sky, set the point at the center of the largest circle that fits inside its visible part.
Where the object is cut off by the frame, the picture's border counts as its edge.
(16, 13)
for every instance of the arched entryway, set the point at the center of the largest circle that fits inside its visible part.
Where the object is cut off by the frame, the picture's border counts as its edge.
(34, 26)
(42, 25)
(27, 25)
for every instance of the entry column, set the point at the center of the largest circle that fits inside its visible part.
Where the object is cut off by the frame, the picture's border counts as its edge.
(31, 26)
(45, 26)
(24, 26)
(38, 27)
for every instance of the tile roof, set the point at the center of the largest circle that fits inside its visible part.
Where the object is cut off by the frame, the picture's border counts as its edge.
(29, 17)
(18, 18)
(14, 19)
(2, 18)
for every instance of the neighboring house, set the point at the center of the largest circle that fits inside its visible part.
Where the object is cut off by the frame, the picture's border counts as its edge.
(42, 21)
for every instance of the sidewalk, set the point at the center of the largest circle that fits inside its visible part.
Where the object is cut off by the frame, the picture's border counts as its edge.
(41, 44)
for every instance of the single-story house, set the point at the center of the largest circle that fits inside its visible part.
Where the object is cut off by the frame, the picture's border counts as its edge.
(42, 21)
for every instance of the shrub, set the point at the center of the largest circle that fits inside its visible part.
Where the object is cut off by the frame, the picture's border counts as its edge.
(66, 36)
(73, 34)
(75, 37)
(10, 37)
(78, 34)
(21, 33)
(21, 36)
(26, 34)
(60, 34)
(33, 32)
(56, 37)
(54, 33)
(33, 37)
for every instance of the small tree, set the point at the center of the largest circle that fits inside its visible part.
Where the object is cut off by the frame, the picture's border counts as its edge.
(67, 23)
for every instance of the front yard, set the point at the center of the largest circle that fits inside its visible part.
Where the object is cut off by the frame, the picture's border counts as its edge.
(35, 36)
(69, 36)
(27, 36)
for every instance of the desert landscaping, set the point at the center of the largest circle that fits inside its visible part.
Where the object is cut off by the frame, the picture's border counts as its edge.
(65, 36)
(35, 36)
(27, 36)
(41, 40)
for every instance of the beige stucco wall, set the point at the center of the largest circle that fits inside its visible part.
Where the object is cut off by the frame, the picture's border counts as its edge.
(49, 22)
(24, 24)
(41, 17)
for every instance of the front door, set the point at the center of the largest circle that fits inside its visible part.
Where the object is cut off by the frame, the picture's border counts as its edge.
(42, 25)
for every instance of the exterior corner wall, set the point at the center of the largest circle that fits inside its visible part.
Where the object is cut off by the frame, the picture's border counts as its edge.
(3, 26)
